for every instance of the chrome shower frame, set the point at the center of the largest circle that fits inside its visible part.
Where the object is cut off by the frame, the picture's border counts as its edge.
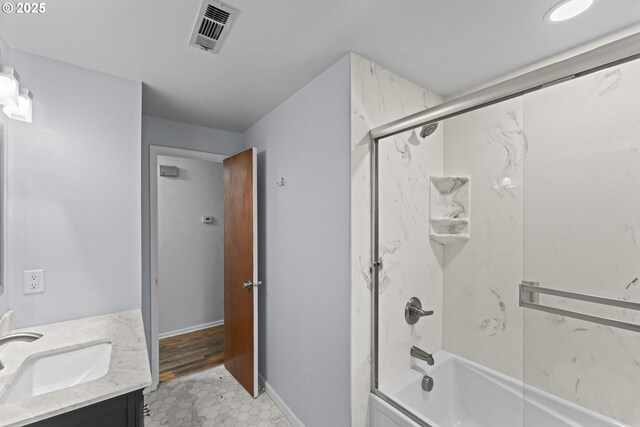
(623, 50)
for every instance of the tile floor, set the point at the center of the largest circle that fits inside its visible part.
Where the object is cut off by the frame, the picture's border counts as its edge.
(210, 398)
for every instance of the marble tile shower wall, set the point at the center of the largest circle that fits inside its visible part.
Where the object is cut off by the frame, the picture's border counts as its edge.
(412, 265)
(582, 233)
(482, 320)
(555, 198)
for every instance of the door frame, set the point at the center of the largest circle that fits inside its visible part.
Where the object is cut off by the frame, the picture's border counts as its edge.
(154, 152)
(256, 275)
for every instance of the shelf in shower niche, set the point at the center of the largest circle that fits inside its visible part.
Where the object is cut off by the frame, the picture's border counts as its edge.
(447, 239)
(449, 230)
(449, 205)
(449, 184)
(449, 225)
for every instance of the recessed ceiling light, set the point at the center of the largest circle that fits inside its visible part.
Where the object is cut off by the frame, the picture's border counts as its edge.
(568, 9)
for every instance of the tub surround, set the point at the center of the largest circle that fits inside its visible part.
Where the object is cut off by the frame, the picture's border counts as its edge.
(482, 320)
(128, 369)
(576, 142)
(584, 136)
(559, 152)
(412, 264)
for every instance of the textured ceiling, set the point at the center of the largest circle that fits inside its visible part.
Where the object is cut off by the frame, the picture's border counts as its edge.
(277, 46)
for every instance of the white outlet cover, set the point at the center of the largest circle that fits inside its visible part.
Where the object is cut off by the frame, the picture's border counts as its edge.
(33, 281)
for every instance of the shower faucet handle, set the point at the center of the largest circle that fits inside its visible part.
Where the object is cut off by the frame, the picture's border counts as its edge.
(420, 312)
(413, 311)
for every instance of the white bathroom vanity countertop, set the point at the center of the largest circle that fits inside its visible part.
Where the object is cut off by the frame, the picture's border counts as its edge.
(128, 367)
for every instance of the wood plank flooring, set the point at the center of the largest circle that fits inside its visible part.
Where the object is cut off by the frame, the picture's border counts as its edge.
(187, 353)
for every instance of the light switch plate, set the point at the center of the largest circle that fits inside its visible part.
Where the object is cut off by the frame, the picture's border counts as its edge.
(33, 281)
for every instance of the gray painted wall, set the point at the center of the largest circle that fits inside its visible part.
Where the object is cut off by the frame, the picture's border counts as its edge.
(304, 248)
(190, 252)
(74, 192)
(73, 211)
(78, 215)
(4, 136)
(168, 133)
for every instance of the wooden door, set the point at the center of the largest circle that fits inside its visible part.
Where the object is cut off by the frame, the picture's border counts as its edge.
(240, 269)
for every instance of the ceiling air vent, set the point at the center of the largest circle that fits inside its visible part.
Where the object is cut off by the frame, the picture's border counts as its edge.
(212, 25)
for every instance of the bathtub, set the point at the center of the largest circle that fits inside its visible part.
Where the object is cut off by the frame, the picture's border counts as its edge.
(466, 394)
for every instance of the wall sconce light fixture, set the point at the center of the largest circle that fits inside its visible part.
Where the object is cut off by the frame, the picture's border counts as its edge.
(9, 86)
(23, 111)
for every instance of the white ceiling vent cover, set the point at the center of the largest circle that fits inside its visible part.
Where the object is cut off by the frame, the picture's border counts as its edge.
(212, 26)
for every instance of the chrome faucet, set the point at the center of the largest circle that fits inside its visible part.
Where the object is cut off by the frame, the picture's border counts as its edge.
(20, 336)
(413, 311)
(422, 355)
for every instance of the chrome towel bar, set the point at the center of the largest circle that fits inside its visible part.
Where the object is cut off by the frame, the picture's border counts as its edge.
(529, 298)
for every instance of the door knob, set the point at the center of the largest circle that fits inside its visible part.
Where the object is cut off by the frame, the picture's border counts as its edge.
(249, 284)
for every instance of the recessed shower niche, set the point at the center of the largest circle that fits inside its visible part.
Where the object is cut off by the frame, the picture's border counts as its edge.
(449, 205)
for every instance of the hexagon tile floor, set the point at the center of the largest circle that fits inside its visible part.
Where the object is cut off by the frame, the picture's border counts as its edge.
(210, 398)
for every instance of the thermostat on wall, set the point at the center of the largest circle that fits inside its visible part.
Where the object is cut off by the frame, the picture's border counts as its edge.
(170, 171)
(208, 219)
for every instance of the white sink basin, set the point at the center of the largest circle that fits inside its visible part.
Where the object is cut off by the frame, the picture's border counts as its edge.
(55, 371)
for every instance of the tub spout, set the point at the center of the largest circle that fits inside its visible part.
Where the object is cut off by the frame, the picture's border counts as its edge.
(422, 355)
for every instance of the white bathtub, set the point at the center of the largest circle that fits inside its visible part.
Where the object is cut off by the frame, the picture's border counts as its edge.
(466, 394)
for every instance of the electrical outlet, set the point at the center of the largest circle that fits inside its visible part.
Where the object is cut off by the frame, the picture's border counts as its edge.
(33, 281)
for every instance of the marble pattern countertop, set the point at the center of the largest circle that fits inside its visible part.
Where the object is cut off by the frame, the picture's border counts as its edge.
(128, 368)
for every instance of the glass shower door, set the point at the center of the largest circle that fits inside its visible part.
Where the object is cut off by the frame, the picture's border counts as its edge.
(451, 235)
(582, 235)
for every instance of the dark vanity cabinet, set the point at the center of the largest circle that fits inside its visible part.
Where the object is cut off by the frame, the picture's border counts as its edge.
(120, 411)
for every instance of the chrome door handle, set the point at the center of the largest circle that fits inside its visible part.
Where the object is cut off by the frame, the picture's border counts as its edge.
(246, 285)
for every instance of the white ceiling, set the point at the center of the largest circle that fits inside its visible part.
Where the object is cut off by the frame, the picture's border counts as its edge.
(277, 46)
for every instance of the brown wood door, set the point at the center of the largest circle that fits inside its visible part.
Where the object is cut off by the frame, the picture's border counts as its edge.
(240, 270)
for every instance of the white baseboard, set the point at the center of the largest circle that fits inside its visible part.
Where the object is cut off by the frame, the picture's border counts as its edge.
(284, 408)
(190, 329)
